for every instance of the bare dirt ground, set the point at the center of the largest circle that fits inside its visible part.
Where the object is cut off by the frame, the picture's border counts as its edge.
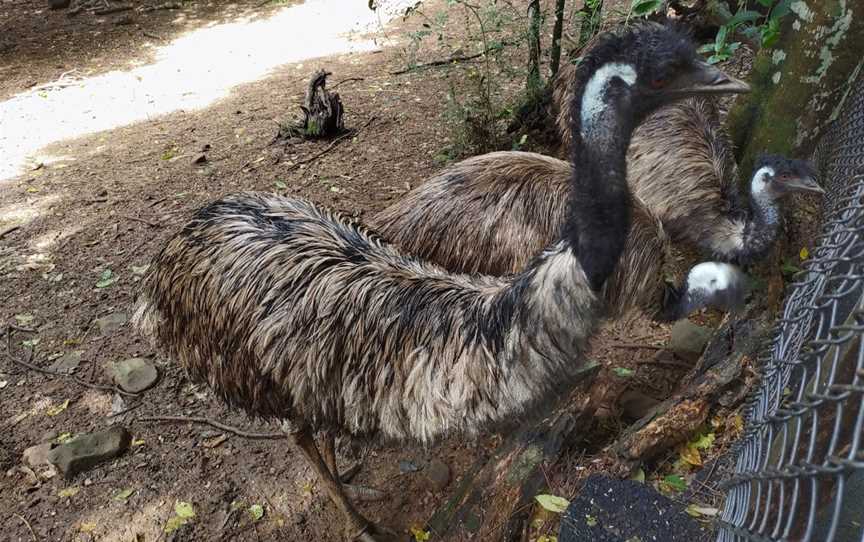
(108, 200)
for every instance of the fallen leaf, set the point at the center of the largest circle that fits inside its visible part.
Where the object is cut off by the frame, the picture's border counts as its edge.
(675, 482)
(64, 437)
(87, 527)
(419, 534)
(553, 503)
(704, 442)
(804, 254)
(3, 384)
(690, 454)
(123, 496)
(256, 511)
(137, 442)
(30, 343)
(24, 319)
(174, 523)
(590, 520)
(184, 510)
(57, 409)
(281, 185)
(106, 279)
(702, 511)
(638, 476)
(139, 270)
(68, 492)
(623, 372)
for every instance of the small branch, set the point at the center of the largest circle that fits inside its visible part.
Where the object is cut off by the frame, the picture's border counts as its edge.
(126, 410)
(330, 147)
(8, 230)
(151, 35)
(212, 423)
(143, 221)
(637, 346)
(108, 11)
(27, 523)
(457, 58)
(346, 81)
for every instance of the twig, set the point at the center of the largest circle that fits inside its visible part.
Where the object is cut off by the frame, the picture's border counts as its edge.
(109, 11)
(8, 230)
(637, 346)
(37, 369)
(346, 81)
(27, 523)
(157, 202)
(212, 423)
(452, 59)
(126, 410)
(151, 35)
(330, 147)
(142, 220)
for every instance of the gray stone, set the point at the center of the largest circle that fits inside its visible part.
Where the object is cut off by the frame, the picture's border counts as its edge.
(406, 466)
(438, 474)
(67, 363)
(37, 456)
(611, 510)
(88, 450)
(635, 404)
(688, 340)
(135, 374)
(112, 322)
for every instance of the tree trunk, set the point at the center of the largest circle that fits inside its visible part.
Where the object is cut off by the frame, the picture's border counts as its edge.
(535, 84)
(800, 83)
(556, 37)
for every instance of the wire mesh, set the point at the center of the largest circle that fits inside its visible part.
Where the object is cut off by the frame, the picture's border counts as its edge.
(799, 472)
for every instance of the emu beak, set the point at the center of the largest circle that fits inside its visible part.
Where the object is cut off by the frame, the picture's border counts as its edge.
(804, 184)
(703, 78)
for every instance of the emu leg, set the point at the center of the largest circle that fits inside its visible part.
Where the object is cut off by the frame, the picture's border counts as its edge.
(358, 525)
(328, 451)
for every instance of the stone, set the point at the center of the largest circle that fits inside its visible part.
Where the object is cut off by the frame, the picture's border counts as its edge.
(406, 466)
(112, 322)
(68, 363)
(135, 374)
(86, 451)
(59, 4)
(438, 474)
(689, 340)
(634, 405)
(611, 510)
(37, 456)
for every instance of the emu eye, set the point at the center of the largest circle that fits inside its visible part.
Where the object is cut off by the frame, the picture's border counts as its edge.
(658, 83)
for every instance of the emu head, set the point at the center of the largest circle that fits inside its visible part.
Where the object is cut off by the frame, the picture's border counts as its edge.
(776, 177)
(645, 66)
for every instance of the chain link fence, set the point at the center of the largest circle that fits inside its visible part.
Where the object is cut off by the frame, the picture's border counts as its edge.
(799, 472)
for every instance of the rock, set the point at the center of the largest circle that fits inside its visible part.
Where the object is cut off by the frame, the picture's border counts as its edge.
(37, 456)
(611, 510)
(49, 436)
(438, 474)
(635, 405)
(59, 4)
(67, 363)
(88, 450)
(135, 374)
(111, 323)
(688, 340)
(406, 466)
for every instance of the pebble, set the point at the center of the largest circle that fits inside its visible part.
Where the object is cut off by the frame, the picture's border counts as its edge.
(88, 450)
(135, 374)
(689, 340)
(67, 363)
(438, 474)
(111, 323)
(406, 466)
(36, 456)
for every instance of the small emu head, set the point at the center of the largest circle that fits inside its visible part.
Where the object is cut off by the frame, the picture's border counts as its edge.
(777, 177)
(715, 284)
(651, 64)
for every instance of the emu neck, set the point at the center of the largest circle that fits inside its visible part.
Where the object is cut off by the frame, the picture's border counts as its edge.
(597, 226)
(763, 222)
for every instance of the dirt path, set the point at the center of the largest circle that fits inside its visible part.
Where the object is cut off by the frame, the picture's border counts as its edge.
(105, 183)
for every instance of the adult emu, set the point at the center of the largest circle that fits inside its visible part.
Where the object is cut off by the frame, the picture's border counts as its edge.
(293, 313)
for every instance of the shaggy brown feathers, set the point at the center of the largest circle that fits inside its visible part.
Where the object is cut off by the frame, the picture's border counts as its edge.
(492, 213)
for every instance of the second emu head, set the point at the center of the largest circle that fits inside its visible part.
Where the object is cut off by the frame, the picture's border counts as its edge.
(776, 177)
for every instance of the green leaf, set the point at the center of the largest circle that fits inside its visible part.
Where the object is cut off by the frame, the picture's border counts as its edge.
(641, 8)
(713, 59)
(174, 523)
(623, 372)
(123, 496)
(720, 38)
(765, 3)
(780, 10)
(704, 442)
(553, 503)
(675, 482)
(419, 534)
(256, 511)
(590, 520)
(707, 48)
(638, 476)
(64, 437)
(106, 279)
(743, 16)
(68, 492)
(184, 510)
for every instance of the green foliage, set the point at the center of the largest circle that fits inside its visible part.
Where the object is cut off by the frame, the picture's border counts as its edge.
(762, 28)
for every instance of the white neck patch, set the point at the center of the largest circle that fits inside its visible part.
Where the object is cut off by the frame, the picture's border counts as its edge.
(711, 276)
(759, 182)
(595, 90)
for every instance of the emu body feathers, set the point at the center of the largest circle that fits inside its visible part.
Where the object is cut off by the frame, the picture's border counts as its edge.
(291, 312)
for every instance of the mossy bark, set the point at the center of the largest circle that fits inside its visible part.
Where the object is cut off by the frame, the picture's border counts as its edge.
(800, 83)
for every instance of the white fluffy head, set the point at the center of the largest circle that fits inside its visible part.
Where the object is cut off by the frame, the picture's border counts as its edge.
(713, 277)
(759, 184)
(595, 91)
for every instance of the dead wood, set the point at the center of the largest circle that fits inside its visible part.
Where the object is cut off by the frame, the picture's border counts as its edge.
(212, 423)
(322, 112)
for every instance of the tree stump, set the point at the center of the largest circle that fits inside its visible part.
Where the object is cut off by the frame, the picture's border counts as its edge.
(322, 112)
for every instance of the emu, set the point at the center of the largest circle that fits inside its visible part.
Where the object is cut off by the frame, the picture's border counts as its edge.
(294, 313)
(681, 167)
(490, 214)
